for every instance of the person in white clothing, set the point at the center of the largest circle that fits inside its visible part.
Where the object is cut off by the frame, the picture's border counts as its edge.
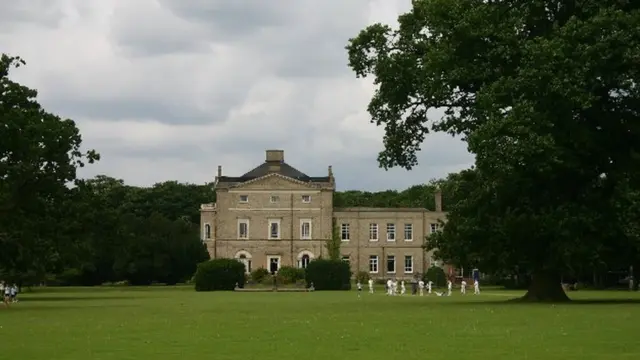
(429, 287)
(394, 287)
(370, 286)
(463, 287)
(7, 294)
(389, 287)
(359, 286)
(421, 287)
(403, 289)
(476, 287)
(449, 287)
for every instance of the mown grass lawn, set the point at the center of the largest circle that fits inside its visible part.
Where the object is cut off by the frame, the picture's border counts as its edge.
(177, 323)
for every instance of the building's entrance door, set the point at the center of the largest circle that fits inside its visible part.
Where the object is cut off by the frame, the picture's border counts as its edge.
(274, 264)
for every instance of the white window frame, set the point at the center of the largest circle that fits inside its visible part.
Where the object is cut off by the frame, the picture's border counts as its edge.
(408, 257)
(302, 222)
(374, 261)
(408, 227)
(391, 229)
(206, 235)
(306, 199)
(346, 258)
(374, 230)
(243, 199)
(395, 264)
(433, 227)
(274, 199)
(274, 221)
(345, 233)
(269, 257)
(246, 222)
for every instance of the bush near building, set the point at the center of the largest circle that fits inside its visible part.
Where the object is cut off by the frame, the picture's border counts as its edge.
(219, 274)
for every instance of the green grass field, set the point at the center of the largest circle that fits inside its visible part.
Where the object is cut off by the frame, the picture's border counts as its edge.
(177, 323)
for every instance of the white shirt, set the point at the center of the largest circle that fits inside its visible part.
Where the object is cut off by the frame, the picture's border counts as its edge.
(370, 283)
(449, 285)
(421, 284)
(464, 283)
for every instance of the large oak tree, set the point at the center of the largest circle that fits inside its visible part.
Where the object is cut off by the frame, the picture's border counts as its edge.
(545, 94)
(39, 155)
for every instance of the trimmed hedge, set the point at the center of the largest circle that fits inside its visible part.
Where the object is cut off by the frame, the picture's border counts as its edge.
(219, 274)
(328, 275)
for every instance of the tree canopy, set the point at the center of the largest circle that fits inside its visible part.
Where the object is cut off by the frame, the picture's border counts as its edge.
(544, 92)
(39, 155)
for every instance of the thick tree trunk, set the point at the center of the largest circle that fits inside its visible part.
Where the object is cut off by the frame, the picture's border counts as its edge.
(545, 287)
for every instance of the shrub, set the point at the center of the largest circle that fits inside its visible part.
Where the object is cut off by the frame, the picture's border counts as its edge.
(219, 274)
(328, 275)
(290, 274)
(258, 274)
(267, 280)
(436, 275)
(362, 276)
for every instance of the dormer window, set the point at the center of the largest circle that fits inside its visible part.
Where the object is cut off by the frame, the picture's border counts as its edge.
(306, 199)
(244, 198)
(275, 199)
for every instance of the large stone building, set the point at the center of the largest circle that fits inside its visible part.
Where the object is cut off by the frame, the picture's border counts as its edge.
(275, 215)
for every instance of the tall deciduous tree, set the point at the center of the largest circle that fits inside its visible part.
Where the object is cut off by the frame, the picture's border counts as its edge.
(39, 155)
(545, 94)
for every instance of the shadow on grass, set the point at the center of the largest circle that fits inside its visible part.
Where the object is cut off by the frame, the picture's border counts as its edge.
(73, 298)
(516, 302)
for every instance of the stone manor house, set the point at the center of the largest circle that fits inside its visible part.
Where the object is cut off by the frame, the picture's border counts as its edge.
(275, 215)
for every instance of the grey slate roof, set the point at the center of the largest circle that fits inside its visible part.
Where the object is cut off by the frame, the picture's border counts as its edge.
(263, 170)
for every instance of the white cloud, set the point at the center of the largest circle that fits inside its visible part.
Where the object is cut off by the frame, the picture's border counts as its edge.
(169, 90)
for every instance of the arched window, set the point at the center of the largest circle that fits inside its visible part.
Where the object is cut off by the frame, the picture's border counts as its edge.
(207, 231)
(304, 261)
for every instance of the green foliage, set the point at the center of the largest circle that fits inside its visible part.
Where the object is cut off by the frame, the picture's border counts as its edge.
(326, 274)
(258, 274)
(39, 156)
(362, 276)
(290, 274)
(267, 280)
(544, 112)
(219, 274)
(333, 244)
(436, 275)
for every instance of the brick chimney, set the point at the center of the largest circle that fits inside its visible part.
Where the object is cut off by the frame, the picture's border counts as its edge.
(438, 199)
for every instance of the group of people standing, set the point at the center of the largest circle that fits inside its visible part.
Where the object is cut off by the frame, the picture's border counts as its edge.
(9, 293)
(392, 288)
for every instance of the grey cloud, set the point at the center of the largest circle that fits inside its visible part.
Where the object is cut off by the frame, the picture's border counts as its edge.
(143, 45)
(118, 109)
(230, 20)
(300, 41)
(140, 31)
(46, 13)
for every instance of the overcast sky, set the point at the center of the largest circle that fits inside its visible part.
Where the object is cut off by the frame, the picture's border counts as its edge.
(169, 89)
